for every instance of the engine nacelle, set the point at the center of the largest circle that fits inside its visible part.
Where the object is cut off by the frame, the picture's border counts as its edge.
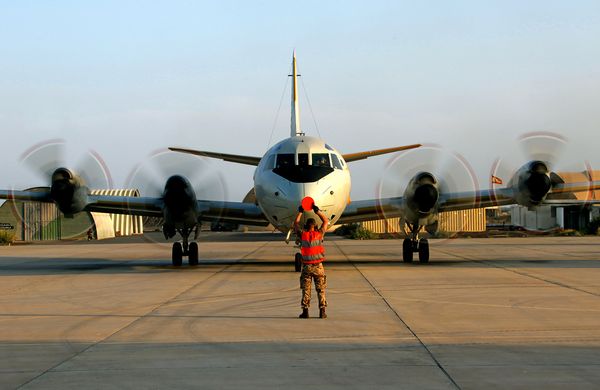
(68, 191)
(421, 196)
(179, 209)
(531, 183)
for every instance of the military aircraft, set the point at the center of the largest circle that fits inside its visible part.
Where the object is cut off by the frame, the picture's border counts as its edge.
(292, 170)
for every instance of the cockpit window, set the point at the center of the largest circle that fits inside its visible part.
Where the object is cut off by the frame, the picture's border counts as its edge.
(270, 163)
(321, 160)
(285, 160)
(303, 159)
(336, 161)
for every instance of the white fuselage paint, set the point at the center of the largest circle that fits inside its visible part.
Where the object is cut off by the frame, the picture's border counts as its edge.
(279, 198)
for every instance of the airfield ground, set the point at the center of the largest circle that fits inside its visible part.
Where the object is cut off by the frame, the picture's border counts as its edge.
(485, 313)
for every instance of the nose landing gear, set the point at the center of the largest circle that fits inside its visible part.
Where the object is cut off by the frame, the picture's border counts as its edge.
(185, 248)
(414, 244)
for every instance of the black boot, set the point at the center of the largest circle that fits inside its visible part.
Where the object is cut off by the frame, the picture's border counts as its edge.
(304, 313)
(322, 313)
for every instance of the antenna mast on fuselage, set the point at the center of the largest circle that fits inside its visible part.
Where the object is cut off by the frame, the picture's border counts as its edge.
(295, 123)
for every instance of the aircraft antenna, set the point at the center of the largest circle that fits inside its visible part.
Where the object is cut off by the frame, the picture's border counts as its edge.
(295, 117)
(278, 110)
(310, 108)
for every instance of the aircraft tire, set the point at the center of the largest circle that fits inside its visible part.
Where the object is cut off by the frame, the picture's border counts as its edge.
(423, 251)
(407, 250)
(298, 262)
(193, 253)
(177, 254)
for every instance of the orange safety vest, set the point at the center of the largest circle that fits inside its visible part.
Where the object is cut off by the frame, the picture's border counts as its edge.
(312, 247)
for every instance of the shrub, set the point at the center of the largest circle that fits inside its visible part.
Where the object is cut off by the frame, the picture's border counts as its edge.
(362, 234)
(355, 231)
(569, 233)
(593, 226)
(6, 237)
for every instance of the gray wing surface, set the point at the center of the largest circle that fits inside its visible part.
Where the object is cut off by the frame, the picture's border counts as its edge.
(236, 158)
(209, 210)
(561, 194)
(367, 210)
(43, 195)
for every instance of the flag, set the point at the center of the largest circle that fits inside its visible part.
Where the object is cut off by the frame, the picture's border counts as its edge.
(496, 180)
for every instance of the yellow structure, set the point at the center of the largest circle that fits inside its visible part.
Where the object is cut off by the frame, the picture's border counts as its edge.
(473, 220)
(117, 224)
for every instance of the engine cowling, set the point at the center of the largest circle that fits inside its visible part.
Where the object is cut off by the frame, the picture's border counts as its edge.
(531, 183)
(179, 209)
(68, 191)
(421, 195)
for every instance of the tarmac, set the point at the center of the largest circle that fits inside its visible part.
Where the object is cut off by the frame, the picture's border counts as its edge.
(519, 313)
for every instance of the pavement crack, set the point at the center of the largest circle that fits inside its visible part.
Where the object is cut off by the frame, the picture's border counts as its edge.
(431, 355)
(138, 318)
(492, 264)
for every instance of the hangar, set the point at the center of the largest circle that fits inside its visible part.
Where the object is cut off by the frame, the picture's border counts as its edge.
(574, 217)
(35, 221)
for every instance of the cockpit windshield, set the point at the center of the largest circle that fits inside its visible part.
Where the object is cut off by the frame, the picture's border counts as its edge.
(303, 172)
(285, 160)
(303, 159)
(336, 162)
(321, 160)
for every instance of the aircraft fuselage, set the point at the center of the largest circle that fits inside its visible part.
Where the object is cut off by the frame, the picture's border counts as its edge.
(298, 167)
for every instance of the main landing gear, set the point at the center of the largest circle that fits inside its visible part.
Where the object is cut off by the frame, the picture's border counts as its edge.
(185, 248)
(414, 244)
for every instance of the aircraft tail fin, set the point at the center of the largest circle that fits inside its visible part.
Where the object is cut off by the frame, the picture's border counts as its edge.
(295, 119)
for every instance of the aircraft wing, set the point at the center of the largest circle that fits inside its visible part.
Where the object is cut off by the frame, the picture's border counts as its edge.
(368, 210)
(370, 153)
(251, 160)
(560, 195)
(131, 205)
(248, 160)
(209, 210)
(43, 195)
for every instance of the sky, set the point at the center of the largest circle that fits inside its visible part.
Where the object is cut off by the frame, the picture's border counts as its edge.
(128, 78)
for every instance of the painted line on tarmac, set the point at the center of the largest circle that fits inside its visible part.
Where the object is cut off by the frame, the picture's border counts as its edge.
(492, 264)
(146, 315)
(431, 355)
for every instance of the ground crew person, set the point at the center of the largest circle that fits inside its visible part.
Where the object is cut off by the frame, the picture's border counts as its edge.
(313, 256)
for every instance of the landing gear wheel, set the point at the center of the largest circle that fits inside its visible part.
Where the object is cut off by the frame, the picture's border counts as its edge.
(423, 250)
(298, 262)
(193, 253)
(407, 250)
(177, 254)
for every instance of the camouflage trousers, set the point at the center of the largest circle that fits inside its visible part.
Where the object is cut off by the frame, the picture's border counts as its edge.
(310, 272)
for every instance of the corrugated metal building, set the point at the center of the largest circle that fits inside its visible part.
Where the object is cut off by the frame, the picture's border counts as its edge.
(123, 225)
(34, 221)
(473, 220)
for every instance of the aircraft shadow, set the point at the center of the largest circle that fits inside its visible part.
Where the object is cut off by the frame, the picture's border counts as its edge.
(59, 266)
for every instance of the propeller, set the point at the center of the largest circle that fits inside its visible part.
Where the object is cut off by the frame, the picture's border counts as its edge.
(535, 146)
(70, 172)
(44, 158)
(432, 171)
(546, 148)
(450, 169)
(150, 175)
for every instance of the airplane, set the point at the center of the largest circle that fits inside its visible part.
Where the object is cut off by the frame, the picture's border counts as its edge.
(301, 167)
